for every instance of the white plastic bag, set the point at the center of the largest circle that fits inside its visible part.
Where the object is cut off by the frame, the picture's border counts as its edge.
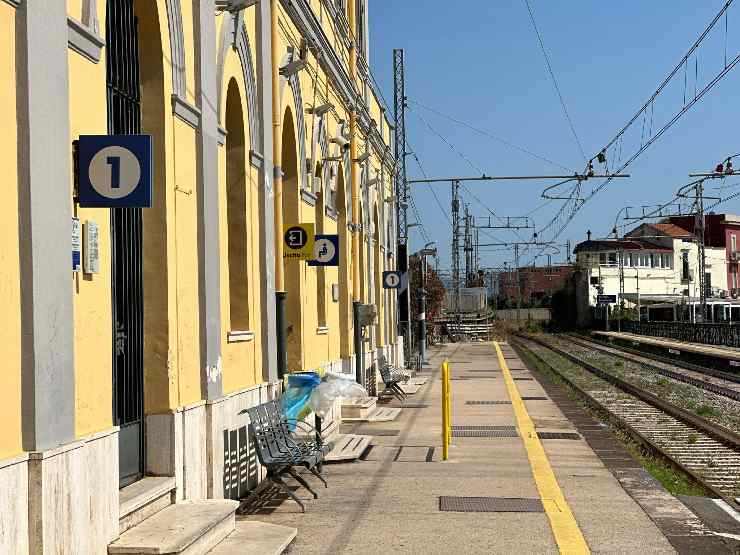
(335, 385)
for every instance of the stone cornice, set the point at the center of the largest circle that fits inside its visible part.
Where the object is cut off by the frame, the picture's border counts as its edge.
(84, 40)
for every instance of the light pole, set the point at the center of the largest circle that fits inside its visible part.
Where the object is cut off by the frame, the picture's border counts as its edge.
(423, 253)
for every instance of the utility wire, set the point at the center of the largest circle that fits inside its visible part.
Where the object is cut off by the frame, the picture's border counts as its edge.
(490, 135)
(431, 187)
(554, 80)
(448, 143)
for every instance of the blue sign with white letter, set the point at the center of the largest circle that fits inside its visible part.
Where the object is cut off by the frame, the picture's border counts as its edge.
(325, 251)
(115, 171)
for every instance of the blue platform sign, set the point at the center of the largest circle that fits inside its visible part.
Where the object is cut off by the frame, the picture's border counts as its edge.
(392, 280)
(115, 171)
(606, 299)
(325, 251)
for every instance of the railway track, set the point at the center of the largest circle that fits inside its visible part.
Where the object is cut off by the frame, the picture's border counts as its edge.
(702, 449)
(721, 383)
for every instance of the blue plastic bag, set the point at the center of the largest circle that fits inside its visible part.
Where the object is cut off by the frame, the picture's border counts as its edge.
(296, 396)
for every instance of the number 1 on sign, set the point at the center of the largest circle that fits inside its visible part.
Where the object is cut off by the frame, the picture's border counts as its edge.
(115, 171)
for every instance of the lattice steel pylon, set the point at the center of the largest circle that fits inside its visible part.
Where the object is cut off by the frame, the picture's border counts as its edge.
(399, 103)
(402, 194)
(456, 248)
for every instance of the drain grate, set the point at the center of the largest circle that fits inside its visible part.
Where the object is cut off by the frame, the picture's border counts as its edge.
(484, 432)
(558, 435)
(534, 398)
(479, 377)
(487, 402)
(414, 406)
(483, 427)
(524, 379)
(490, 505)
(482, 370)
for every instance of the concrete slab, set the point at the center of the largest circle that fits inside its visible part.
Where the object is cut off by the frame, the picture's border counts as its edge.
(189, 527)
(251, 537)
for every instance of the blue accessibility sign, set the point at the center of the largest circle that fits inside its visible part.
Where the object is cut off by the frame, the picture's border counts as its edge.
(325, 251)
(115, 171)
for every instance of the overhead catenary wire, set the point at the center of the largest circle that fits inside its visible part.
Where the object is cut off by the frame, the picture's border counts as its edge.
(490, 135)
(554, 80)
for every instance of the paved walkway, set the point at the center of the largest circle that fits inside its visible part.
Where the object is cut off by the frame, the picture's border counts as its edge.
(390, 502)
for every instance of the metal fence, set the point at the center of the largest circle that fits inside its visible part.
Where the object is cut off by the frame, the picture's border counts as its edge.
(711, 334)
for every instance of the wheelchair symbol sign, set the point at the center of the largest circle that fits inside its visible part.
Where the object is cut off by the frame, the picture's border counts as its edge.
(326, 251)
(115, 171)
(391, 280)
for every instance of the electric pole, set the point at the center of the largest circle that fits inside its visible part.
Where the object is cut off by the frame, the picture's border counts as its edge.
(402, 190)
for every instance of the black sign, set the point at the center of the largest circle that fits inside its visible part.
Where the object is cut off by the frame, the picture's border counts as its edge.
(296, 237)
(606, 299)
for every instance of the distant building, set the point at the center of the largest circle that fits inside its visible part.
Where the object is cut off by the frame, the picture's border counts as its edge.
(658, 267)
(535, 282)
(721, 231)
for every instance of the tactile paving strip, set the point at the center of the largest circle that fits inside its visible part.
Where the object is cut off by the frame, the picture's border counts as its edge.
(558, 435)
(490, 505)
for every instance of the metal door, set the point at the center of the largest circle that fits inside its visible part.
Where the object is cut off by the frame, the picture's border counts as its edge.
(124, 117)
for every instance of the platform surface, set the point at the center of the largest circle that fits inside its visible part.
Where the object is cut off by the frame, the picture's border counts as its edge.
(729, 353)
(389, 500)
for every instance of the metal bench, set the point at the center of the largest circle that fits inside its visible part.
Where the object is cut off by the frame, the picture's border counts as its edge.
(392, 377)
(280, 453)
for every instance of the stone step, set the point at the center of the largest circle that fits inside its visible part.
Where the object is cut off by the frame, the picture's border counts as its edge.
(418, 381)
(347, 447)
(382, 414)
(256, 538)
(409, 388)
(143, 499)
(187, 528)
(359, 411)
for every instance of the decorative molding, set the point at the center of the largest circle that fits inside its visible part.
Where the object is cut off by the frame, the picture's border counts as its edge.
(177, 48)
(331, 213)
(234, 34)
(239, 336)
(256, 159)
(185, 111)
(84, 40)
(308, 197)
(221, 135)
(90, 16)
(310, 27)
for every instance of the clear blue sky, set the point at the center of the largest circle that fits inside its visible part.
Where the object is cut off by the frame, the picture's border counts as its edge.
(480, 62)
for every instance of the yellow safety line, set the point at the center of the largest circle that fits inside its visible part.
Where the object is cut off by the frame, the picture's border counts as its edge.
(564, 526)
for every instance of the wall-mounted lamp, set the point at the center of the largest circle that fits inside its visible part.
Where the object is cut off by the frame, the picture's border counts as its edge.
(233, 5)
(291, 68)
(321, 109)
(362, 158)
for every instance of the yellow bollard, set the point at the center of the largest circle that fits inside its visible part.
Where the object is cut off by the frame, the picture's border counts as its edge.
(449, 406)
(446, 427)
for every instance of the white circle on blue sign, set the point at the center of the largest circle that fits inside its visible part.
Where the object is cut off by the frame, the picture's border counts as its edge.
(114, 172)
(392, 279)
(324, 250)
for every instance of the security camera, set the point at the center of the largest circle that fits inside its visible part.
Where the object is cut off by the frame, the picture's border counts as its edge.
(292, 68)
(362, 158)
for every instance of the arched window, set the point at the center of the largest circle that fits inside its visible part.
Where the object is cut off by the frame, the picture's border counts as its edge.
(236, 209)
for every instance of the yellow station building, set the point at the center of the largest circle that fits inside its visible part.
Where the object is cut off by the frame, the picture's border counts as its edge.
(262, 116)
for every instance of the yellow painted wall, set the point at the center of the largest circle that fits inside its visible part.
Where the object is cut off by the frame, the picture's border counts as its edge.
(187, 309)
(10, 321)
(241, 363)
(92, 292)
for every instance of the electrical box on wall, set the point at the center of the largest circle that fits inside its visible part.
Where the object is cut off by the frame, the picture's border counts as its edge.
(335, 292)
(367, 314)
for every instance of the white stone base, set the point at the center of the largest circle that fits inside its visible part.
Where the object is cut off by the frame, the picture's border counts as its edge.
(232, 466)
(176, 446)
(14, 505)
(73, 496)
